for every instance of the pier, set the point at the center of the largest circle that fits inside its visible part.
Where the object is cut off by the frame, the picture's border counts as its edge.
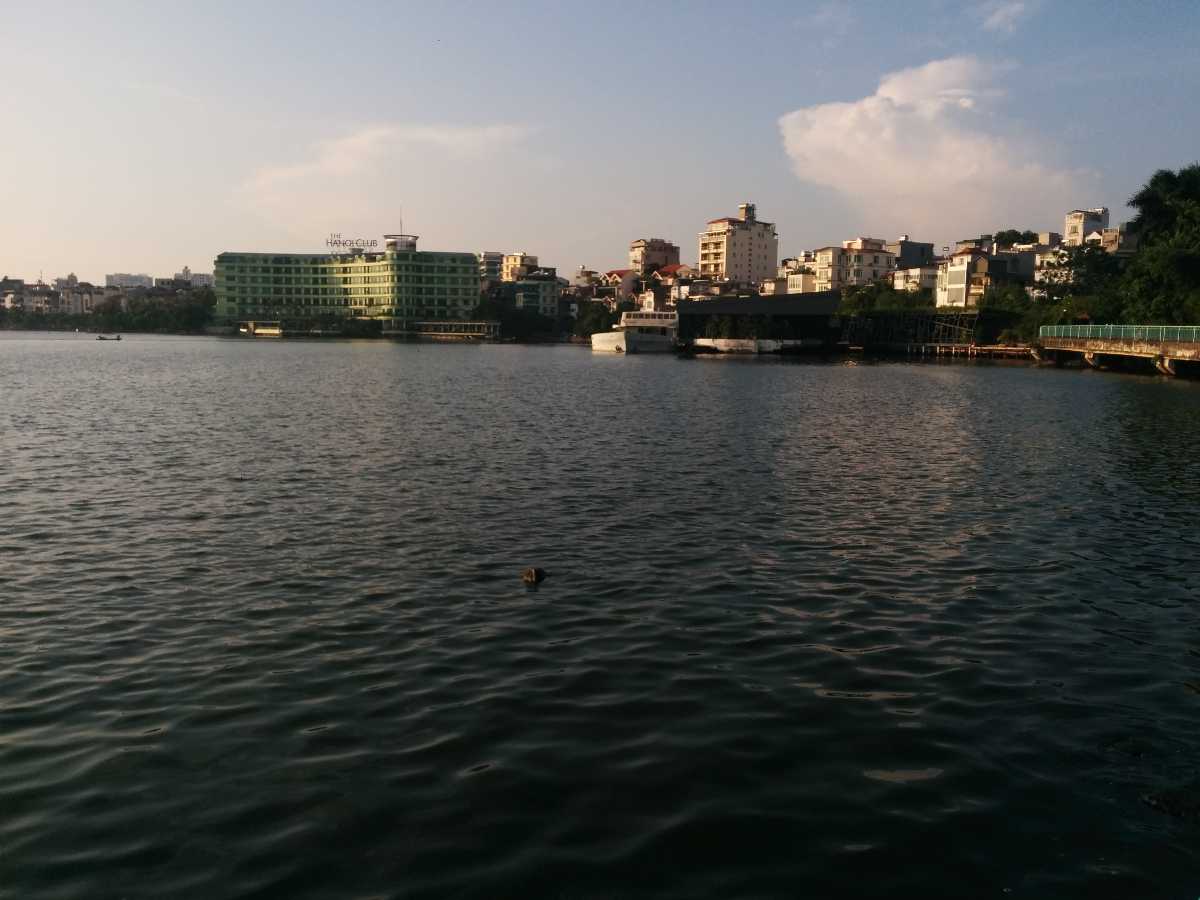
(1163, 345)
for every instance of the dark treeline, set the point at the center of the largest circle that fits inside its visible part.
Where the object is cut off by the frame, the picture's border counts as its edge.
(178, 312)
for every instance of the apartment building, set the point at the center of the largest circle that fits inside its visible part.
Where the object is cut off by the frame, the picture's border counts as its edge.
(648, 255)
(126, 281)
(857, 262)
(910, 254)
(741, 249)
(515, 266)
(916, 278)
(1079, 223)
(539, 291)
(965, 277)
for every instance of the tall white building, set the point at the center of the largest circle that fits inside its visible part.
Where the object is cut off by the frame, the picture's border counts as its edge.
(742, 249)
(1080, 223)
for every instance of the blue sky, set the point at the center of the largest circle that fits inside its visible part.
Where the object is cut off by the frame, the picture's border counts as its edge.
(145, 137)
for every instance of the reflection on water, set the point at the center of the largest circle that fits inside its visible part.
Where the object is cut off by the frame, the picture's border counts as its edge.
(263, 631)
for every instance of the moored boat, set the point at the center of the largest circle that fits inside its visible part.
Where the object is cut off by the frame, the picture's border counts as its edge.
(639, 332)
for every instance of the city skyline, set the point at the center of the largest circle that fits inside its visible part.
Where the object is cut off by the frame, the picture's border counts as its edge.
(158, 141)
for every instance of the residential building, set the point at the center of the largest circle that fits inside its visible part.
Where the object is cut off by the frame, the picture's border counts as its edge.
(1048, 269)
(965, 277)
(622, 282)
(651, 254)
(79, 298)
(742, 250)
(669, 275)
(916, 278)
(769, 287)
(857, 262)
(491, 265)
(400, 283)
(539, 290)
(126, 281)
(802, 283)
(1079, 223)
(173, 284)
(586, 281)
(195, 279)
(910, 254)
(515, 266)
(790, 265)
(1119, 240)
(62, 284)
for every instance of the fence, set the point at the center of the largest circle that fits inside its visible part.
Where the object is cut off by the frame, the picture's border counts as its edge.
(1182, 333)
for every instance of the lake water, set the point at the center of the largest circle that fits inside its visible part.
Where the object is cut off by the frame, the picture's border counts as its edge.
(809, 630)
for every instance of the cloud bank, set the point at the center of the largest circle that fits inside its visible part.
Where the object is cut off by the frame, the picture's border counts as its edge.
(923, 155)
(353, 153)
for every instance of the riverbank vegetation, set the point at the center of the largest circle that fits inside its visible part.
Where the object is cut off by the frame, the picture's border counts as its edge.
(183, 312)
(1156, 284)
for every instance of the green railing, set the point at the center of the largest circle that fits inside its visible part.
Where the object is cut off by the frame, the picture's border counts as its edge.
(1184, 333)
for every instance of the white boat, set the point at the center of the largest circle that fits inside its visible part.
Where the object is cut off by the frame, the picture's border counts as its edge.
(639, 332)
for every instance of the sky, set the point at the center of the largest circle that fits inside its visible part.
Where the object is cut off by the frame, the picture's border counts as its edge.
(146, 137)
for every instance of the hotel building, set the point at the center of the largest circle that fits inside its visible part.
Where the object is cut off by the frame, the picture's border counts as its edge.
(742, 249)
(400, 282)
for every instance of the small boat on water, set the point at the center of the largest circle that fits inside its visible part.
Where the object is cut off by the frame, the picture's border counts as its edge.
(640, 331)
(108, 337)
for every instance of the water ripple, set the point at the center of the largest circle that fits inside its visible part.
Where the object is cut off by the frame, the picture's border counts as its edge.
(880, 631)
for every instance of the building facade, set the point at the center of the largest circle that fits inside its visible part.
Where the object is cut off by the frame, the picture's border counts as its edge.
(515, 266)
(539, 291)
(491, 265)
(915, 279)
(743, 250)
(400, 283)
(126, 281)
(1079, 223)
(648, 255)
(964, 278)
(857, 262)
(910, 254)
(195, 279)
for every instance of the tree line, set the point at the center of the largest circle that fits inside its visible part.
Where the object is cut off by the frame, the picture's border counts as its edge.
(178, 312)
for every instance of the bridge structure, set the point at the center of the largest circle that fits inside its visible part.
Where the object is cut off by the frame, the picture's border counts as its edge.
(1163, 345)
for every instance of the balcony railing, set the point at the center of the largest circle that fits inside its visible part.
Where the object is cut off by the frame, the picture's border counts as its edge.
(1184, 333)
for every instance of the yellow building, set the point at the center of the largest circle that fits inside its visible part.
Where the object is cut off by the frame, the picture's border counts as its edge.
(517, 265)
(742, 249)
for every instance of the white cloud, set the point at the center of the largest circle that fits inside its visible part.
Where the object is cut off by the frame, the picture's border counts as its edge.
(368, 174)
(1004, 15)
(350, 155)
(923, 155)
